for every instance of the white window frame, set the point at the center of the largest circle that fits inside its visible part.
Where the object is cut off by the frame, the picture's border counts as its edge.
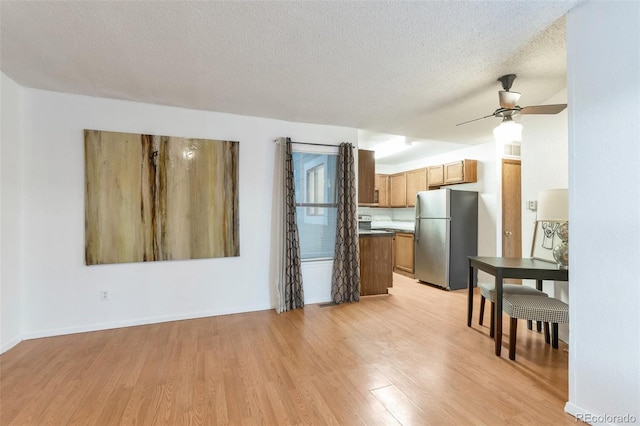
(324, 151)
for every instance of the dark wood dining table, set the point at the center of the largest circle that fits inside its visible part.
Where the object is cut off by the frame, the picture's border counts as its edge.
(509, 267)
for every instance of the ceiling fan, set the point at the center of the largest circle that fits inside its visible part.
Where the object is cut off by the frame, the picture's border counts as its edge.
(509, 104)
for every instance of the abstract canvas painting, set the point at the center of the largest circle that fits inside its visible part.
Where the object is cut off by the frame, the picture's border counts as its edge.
(152, 198)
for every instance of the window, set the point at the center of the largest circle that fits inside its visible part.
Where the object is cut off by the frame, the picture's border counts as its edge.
(315, 190)
(316, 207)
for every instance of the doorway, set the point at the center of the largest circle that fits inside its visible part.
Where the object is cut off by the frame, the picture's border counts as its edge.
(511, 209)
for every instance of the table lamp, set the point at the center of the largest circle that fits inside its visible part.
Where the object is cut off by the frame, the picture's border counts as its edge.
(553, 206)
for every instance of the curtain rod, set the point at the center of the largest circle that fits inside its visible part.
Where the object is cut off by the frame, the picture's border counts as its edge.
(316, 144)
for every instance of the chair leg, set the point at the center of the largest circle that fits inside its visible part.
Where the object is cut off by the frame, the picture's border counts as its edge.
(554, 338)
(539, 326)
(546, 333)
(513, 327)
(481, 319)
(492, 325)
(530, 324)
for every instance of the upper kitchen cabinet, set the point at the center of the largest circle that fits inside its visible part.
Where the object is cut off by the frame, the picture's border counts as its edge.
(366, 177)
(398, 185)
(416, 181)
(382, 191)
(404, 187)
(462, 171)
(435, 175)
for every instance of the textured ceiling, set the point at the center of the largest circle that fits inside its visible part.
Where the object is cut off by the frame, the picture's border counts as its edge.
(404, 68)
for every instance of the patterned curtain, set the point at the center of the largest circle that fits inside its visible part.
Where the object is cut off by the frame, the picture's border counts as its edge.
(345, 279)
(285, 248)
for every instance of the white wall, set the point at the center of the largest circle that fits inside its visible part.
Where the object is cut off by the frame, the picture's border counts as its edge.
(545, 165)
(603, 57)
(10, 213)
(545, 160)
(61, 294)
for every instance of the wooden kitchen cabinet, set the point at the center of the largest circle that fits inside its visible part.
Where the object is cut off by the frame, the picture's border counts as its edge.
(462, 171)
(366, 176)
(416, 181)
(376, 267)
(398, 190)
(435, 175)
(382, 191)
(403, 253)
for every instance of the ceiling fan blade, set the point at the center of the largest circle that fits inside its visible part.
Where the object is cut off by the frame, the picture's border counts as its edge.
(543, 109)
(475, 119)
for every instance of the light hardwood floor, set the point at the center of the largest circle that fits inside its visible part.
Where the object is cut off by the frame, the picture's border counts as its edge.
(407, 358)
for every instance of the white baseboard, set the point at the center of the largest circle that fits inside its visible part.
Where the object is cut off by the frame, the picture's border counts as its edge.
(317, 300)
(574, 410)
(597, 419)
(134, 322)
(11, 343)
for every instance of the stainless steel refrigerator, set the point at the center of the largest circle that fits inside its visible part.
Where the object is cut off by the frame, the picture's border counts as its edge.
(446, 232)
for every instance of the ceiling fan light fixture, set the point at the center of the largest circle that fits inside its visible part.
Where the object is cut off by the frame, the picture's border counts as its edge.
(508, 131)
(509, 107)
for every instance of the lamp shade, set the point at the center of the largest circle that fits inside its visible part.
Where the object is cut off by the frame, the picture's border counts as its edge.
(553, 205)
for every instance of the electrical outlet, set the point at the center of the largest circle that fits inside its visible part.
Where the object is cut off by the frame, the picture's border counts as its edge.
(104, 295)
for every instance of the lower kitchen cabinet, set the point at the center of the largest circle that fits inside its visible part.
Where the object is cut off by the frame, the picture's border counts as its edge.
(403, 254)
(376, 267)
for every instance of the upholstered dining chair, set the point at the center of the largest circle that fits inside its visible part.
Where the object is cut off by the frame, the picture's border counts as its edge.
(487, 291)
(534, 308)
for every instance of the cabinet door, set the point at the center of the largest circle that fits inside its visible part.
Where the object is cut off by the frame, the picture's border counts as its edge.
(416, 181)
(454, 172)
(404, 252)
(376, 268)
(463, 171)
(435, 175)
(398, 184)
(366, 176)
(382, 189)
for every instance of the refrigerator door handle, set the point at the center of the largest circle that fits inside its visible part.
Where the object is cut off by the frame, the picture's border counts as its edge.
(416, 227)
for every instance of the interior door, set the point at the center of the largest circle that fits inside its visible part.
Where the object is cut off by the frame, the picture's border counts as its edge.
(511, 209)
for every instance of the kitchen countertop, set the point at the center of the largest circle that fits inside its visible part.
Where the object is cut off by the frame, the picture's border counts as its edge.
(394, 230)
(375, 233)
(395, 225)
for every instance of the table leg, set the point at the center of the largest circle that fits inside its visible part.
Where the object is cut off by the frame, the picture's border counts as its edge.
(539, 323)
(470, 285)
(498, 313)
